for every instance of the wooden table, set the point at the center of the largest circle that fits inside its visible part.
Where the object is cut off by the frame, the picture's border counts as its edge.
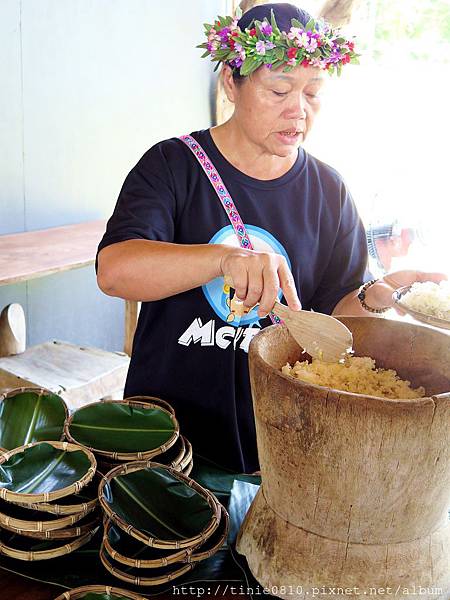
(33, 254)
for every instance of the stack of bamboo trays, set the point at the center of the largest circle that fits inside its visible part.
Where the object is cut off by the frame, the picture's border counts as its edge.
(48, 500)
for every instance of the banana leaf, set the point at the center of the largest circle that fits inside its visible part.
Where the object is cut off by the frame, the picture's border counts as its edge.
(158, 504)
(114, 427)
(42, 469)
(31, 416)
(218, 479)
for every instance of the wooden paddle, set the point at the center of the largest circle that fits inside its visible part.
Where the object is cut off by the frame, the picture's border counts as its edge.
(322, 336)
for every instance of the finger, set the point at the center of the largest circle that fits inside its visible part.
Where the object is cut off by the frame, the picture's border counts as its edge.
(287, 284)
(399, 310)
(240, 283)
(270, 291)
(255, 287)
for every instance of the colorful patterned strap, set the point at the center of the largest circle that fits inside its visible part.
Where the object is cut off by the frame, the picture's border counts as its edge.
(224, 197)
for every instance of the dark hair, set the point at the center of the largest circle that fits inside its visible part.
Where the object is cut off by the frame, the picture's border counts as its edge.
(283, 12)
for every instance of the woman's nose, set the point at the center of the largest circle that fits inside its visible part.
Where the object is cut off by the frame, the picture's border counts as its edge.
(296, 108)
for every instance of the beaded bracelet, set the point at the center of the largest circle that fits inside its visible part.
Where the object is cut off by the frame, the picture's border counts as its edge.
(362, 298)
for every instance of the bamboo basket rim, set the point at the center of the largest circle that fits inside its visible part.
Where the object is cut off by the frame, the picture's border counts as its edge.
(60, 509)
(65, 509)
(192, 554)
(142, 581)
(153, 400)
(74, 488)
(47, 554)
(188, 469)
(151, 541)
(41, 391)
(174, 464)
(188, 457)
(203, 555)
(75, 593)
(125, 456)
(41, 526)
(55, 534)
(144, 563)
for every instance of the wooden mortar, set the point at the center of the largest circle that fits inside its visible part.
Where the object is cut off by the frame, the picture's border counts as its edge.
(356, 489)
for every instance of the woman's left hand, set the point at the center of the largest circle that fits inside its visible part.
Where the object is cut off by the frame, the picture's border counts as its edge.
(392, 281)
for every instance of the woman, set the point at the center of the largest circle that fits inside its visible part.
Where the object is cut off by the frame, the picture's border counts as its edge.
(169, 242)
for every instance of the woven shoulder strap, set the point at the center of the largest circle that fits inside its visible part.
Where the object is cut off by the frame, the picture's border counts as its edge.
(224, 197)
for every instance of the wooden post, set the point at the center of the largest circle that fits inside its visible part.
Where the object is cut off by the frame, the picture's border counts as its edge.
(131, 317)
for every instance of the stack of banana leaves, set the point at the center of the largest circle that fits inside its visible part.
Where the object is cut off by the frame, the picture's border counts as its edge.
(155, 522)
(134, 429)
(158, 523)
(48, 491)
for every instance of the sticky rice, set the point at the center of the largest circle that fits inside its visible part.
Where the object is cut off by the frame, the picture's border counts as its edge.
(429, 298)
(354, 374)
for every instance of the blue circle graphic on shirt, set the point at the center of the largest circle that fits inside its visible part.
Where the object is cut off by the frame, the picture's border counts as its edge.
(214, 291)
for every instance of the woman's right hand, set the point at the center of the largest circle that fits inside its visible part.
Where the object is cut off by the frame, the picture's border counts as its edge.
(257, 277)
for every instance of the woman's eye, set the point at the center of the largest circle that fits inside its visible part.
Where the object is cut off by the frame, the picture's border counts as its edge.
(279, 93)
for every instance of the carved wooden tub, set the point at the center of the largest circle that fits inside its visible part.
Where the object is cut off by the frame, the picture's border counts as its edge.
(356, 489)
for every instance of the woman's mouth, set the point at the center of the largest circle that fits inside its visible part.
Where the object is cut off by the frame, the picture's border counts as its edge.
(289, 136)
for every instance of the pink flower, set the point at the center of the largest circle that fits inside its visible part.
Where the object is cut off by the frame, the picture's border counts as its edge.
(266, 28)
(260, 48)
(294, 33)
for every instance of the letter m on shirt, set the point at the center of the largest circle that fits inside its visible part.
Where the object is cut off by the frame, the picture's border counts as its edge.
(197, 332)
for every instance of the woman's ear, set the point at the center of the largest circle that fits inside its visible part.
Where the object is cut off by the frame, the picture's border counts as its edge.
(229, 85)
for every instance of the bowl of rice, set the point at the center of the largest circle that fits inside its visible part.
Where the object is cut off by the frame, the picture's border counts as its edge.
(426, 301)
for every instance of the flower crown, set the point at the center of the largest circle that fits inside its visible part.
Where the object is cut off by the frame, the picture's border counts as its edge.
(315, 43)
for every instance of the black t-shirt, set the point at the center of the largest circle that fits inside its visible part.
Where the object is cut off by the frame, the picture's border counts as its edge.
(191, 349)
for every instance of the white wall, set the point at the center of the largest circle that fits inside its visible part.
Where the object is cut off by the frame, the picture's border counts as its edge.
(86, 87)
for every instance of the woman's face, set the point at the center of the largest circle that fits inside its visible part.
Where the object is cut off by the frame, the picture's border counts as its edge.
(275, 110)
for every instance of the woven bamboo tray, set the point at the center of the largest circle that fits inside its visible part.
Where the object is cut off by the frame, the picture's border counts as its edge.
(74, 488)
(6, 520)
(188, 555)
(214, 542)
(124, 456)
(163, 558)
(115, 593)
(187, 458)
(152, 400)
(31, 425)
(140, 580)
(146, 539)
(31, 555)
(187, 470)
(84, 526)
(89, 491)
(173, 456)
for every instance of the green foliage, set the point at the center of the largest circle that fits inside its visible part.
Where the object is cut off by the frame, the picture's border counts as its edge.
(418, 28)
